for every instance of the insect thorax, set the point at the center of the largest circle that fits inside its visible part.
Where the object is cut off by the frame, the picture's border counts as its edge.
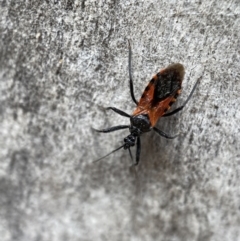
(139, 124)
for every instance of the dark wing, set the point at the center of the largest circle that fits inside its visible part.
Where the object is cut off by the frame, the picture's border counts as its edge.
(161, 92)
(168, 83)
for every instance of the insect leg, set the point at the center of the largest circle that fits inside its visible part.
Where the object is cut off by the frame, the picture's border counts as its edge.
(114, 128)
(120, 112)
(161, 133)
(181, 107)
(130, 73)
(138, 151)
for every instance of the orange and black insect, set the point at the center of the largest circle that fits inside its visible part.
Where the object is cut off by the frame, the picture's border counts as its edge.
(157, 98)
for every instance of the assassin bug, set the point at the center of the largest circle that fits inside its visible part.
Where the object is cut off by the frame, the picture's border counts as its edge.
(157, 98)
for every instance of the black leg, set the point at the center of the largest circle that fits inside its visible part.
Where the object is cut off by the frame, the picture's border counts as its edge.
(181, 107)
(138, 151)
(161, 133)
(130, 73)
(114, 128)
(120, 112)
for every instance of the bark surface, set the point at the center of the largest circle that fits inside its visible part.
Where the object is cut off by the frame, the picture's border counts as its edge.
(60, 63)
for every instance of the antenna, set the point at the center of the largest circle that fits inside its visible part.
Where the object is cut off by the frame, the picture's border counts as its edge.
(109, 153)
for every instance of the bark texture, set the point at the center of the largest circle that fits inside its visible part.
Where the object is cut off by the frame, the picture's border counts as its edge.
(60, 63)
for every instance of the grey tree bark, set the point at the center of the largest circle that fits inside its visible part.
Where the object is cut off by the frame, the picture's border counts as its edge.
(60, 63)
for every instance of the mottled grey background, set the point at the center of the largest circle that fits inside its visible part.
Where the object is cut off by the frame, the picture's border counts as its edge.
(60, 62)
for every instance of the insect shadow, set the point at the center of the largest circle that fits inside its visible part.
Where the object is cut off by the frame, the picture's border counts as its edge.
(157, 98)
